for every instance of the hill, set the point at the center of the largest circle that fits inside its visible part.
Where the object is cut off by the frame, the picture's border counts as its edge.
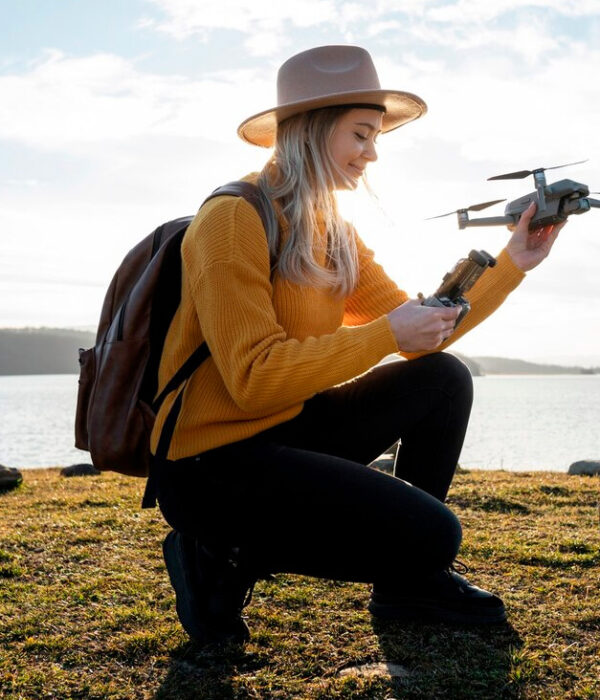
(474, 367)
(41, 350)
(504, 365)
(54, 351)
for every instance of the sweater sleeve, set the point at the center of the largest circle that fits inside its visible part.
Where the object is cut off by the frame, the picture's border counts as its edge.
(487, 294)
(226, 264)
(375, 295)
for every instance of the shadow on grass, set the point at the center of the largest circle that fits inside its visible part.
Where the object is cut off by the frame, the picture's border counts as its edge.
(436, 661)
(206, 672)
(452, 661)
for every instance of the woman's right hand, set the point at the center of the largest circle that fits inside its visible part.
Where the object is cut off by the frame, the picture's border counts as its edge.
(417, 327)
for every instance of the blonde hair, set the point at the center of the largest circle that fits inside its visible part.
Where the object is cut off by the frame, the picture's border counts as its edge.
(301, 177)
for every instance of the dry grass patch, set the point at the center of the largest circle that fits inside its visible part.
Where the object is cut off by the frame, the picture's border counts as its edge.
(86, 610)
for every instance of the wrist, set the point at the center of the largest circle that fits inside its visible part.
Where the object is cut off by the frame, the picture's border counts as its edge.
(517, 258)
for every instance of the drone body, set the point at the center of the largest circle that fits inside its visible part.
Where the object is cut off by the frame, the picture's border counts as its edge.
(560, 199)
(555, 202)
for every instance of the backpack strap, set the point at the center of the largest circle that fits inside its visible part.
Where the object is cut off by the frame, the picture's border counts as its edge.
(254, 196)
(184, 372)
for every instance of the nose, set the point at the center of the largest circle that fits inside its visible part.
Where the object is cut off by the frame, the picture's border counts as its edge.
(370, 151)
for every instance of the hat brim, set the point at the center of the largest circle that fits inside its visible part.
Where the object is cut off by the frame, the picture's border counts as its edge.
(400, 108)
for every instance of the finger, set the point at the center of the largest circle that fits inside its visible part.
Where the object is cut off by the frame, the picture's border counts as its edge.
(450, 313)
(529, 213)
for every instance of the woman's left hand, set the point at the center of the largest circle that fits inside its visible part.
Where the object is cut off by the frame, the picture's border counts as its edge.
(528, 248)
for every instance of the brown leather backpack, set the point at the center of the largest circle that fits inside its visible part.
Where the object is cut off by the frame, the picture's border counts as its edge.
(117, 402)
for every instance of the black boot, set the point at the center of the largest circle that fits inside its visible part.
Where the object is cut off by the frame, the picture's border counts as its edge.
(211, 590)
(443, 597)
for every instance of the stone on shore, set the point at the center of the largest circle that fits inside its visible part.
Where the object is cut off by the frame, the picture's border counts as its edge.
(588, 467)
(80, 470)
(10, 478)
(384, 668)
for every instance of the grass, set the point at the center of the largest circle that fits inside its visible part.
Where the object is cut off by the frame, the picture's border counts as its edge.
(86, 610)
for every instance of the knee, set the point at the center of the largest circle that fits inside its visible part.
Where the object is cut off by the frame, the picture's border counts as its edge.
(454, 368)
(456, 376)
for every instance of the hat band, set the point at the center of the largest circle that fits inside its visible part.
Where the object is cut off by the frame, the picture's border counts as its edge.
(358, 105)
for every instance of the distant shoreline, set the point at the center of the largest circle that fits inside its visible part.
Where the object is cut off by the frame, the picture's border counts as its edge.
(43, 351)
(486, 374)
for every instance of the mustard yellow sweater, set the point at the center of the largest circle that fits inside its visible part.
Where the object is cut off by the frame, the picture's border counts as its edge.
(275, 344)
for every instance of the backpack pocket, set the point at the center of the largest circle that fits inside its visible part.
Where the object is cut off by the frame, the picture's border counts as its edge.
(87, 375)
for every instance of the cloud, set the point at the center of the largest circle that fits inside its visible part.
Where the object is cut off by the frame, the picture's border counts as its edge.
(124, 148)
(533, 42)
(75, 103)
(70, 103)
(378, 28)
(265, 43)
(495, 107)
(475, 11)
(263, 21)
(28, 182)
(186, 18)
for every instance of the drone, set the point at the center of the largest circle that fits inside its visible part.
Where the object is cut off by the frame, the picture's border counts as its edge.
(555, 202)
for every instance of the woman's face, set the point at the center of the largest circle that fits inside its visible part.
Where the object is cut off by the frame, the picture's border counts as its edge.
(352, 143)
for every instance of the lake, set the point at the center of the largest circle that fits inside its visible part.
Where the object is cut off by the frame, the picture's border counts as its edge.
(518, 423)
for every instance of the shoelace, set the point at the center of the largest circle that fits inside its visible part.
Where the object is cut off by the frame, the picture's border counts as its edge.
(262, 577)
(233, 560)
(459, 567)
(249, 593)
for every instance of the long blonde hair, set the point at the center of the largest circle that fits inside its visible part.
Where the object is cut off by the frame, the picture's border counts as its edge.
(301, 177)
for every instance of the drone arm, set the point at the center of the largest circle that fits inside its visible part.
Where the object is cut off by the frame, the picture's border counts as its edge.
(491, 221)
(593, 202)
(540, 185)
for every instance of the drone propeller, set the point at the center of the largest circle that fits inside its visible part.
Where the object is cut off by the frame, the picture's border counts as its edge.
(524, 173)
(473, 207)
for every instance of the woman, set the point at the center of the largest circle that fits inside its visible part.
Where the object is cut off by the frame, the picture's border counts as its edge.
(266, 471)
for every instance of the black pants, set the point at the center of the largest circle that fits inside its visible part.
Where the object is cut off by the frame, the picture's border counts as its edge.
(299, 497)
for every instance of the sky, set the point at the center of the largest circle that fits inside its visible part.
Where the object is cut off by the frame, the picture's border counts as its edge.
(117, 115)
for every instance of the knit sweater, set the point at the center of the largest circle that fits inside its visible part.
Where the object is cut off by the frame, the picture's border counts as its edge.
(275, 344)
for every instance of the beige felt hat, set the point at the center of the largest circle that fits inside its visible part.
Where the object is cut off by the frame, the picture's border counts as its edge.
(326, 76)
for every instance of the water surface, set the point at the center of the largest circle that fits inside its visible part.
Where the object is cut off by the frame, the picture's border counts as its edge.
(518, 422)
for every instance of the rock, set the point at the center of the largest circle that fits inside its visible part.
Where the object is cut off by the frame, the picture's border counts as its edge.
(376, 669)
(80, 470)
(10, 478)
(588, 467)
